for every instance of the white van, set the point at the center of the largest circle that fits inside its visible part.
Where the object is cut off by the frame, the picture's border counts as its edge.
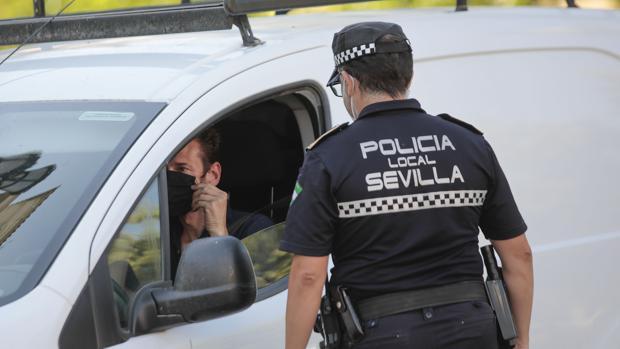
(87, 127)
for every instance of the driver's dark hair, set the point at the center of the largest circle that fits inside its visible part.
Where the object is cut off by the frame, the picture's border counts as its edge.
(388, 73)
(211, 142)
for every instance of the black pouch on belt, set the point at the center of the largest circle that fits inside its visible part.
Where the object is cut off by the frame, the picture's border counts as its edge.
(349, 319)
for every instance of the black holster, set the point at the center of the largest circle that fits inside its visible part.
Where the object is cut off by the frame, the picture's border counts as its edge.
(498, 298)
(349, 320)
(338, 321)
(327, 325)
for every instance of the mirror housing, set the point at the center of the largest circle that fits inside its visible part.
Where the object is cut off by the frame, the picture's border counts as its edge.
(215, 277)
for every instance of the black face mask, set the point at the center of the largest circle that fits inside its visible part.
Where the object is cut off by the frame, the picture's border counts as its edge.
(179, 193)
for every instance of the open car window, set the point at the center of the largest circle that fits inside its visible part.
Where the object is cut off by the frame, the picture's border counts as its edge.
(260, 150)
(261, 155)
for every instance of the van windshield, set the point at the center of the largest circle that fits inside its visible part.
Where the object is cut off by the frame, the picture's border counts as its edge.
(54, 158)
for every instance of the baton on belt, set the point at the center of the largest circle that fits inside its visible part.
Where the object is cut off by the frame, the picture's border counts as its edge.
(496, 291)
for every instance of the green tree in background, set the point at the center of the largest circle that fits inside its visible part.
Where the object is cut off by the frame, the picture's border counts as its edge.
(141, 252)
(138, 243)
(24, 8)
(16, 9)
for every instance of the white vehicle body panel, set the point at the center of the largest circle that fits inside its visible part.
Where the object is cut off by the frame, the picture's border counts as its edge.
(558, 155)
(34, 320)
(510, 72)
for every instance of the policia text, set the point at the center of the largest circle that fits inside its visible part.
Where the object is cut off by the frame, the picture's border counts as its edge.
(400, 155)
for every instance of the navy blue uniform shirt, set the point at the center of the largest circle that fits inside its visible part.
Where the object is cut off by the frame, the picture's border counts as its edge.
(398, 198)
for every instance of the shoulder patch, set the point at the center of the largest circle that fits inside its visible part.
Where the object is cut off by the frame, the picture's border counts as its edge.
(326, 135)
(461, 123)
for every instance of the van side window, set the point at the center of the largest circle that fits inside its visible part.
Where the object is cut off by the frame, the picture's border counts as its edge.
(135, 254)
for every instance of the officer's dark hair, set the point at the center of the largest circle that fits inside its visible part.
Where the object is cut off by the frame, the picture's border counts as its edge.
(211, 142)
(389, 73)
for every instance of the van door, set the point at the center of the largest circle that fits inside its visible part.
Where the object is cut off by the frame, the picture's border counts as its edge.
(263, 324)
(292, 108)
(137, 258)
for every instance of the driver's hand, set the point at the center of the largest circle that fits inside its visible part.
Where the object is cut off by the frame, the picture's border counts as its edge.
(214, 202)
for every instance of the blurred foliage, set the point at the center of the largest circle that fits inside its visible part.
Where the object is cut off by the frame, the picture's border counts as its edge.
(390, 4)
(270, 264)
(16, 8)
(139, 242)
(143, 212)
(24, 8)
(142, 252)
(135, 255)
(131, 256)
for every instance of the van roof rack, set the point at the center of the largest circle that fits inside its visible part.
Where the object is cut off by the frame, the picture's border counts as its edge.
(209, 15)
(112, 24)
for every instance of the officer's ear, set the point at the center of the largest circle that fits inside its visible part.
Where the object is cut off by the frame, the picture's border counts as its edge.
(350, 84)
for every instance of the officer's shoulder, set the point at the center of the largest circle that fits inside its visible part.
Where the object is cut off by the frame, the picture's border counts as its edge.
(332, 132)
(452, 119)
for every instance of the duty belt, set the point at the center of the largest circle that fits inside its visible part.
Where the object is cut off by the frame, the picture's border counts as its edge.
(400, 302)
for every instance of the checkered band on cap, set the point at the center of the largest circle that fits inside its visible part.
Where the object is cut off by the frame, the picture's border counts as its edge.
(393, 204)
(355, 52)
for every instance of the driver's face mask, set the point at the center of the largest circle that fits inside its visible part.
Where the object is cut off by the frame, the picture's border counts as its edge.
(179, 193)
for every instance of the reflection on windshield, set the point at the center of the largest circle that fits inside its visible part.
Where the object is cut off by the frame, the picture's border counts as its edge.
(16, 178)
(14, 175)
(270, 264)
(54, 159)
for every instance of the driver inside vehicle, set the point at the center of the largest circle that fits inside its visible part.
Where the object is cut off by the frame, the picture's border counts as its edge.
(197, 207)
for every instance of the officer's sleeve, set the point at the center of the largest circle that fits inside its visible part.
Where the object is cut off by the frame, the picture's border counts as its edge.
(500, 219)
(313, 213)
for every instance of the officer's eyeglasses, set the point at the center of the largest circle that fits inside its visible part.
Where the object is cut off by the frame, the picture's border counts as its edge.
(337, 89)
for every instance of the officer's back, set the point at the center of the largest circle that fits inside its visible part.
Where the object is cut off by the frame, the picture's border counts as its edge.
(409, 189)
(397, 198)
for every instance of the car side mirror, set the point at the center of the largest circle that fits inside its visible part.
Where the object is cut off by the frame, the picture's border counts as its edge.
(215, 277)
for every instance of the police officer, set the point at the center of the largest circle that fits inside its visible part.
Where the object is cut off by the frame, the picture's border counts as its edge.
(397, 198)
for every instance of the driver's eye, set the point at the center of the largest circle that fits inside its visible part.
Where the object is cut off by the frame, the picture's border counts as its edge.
(183, 169)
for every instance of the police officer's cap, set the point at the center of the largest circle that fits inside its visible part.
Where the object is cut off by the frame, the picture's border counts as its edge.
(362, 39)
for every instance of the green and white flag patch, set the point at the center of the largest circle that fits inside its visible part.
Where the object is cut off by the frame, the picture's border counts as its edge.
(296, 192)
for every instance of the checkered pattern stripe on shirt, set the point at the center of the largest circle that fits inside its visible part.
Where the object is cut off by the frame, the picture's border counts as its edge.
(355, 52)
(392, 204)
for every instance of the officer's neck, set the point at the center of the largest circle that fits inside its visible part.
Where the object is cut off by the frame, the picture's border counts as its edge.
(363, 100)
